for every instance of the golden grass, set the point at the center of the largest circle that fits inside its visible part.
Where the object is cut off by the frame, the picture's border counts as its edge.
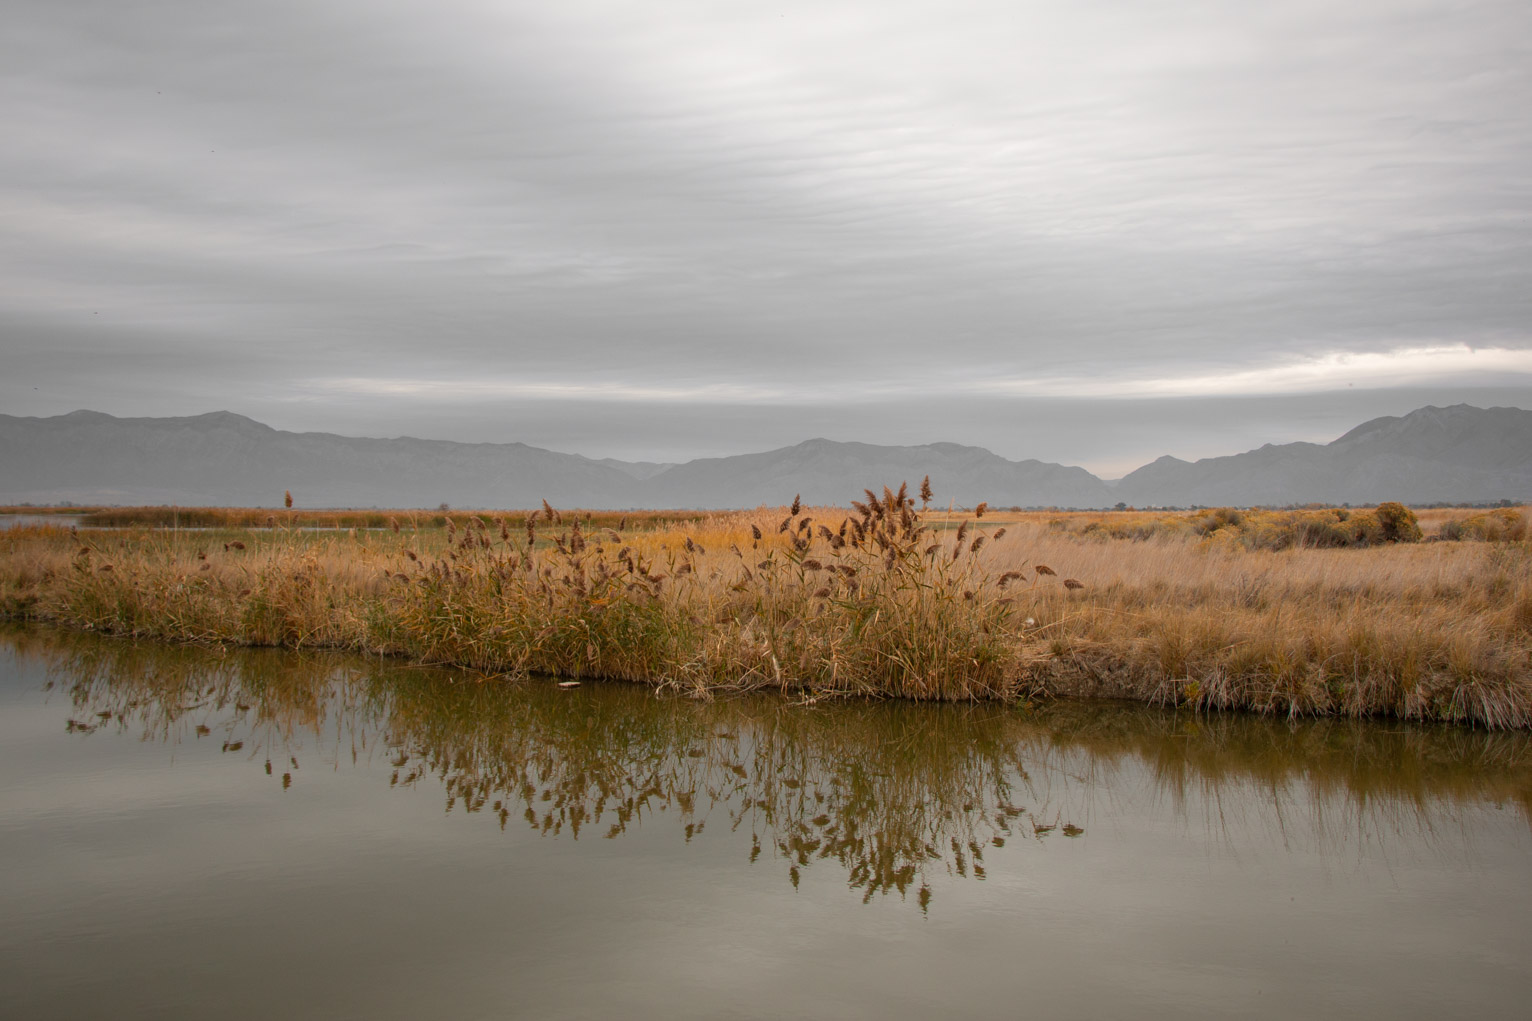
(884, 600)
(1319, 527)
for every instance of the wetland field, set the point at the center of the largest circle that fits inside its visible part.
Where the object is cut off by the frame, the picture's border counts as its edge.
(884, 761)
(1351, 612)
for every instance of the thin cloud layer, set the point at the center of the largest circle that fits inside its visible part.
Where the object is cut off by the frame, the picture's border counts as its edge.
(290, 208)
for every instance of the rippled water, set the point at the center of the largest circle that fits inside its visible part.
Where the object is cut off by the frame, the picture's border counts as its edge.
(264, 834)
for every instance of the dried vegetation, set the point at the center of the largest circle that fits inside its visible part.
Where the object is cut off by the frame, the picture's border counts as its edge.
(1215, 609)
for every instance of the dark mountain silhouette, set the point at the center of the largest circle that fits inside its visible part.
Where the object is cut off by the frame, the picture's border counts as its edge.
(230, 460)
(1431, 455)
(825, 471)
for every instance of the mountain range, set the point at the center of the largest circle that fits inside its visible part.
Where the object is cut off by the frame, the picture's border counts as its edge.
(1432, 455)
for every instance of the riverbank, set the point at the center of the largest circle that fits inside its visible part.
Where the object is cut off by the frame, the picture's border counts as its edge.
(884, 601)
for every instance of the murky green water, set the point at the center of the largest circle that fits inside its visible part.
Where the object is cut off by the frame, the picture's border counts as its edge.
(259, 834)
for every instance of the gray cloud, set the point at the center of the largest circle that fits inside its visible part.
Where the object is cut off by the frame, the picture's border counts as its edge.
(371, 213)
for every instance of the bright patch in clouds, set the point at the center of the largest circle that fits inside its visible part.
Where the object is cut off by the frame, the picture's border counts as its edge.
(1451, 364)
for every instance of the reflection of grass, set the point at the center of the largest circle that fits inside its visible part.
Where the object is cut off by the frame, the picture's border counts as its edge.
(885, 600)
(1359, 761)
(889, 791)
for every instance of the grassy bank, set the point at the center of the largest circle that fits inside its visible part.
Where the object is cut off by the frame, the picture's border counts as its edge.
(883, 600)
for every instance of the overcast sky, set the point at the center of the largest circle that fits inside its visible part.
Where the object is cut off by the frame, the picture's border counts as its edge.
(1090, 232)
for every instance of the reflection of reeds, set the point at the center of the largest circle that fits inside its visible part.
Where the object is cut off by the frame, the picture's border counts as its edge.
(888, 791)
(889, 599)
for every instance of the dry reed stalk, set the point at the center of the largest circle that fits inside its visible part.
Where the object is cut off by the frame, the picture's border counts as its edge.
(1440, 630)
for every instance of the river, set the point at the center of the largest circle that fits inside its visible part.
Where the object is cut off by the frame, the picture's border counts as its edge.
(237, 833)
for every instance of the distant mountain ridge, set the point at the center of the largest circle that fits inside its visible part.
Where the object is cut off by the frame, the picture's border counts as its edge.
(1431, 455)
(1456, 454)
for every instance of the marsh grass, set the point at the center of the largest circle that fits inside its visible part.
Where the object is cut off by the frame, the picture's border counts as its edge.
(1307, 528)
(890, 599)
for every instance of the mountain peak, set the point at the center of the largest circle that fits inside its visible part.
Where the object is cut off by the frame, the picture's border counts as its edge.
(227, 419)
(211, 419)
(1428, 417)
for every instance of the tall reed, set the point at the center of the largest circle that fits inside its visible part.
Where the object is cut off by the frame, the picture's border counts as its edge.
(888, 599)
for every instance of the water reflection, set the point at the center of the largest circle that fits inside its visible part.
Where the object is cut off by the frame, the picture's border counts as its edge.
(890, 793)
(8, 521)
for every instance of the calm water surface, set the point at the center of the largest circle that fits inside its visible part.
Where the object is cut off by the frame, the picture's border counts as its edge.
(34, 520)
(262, 834)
